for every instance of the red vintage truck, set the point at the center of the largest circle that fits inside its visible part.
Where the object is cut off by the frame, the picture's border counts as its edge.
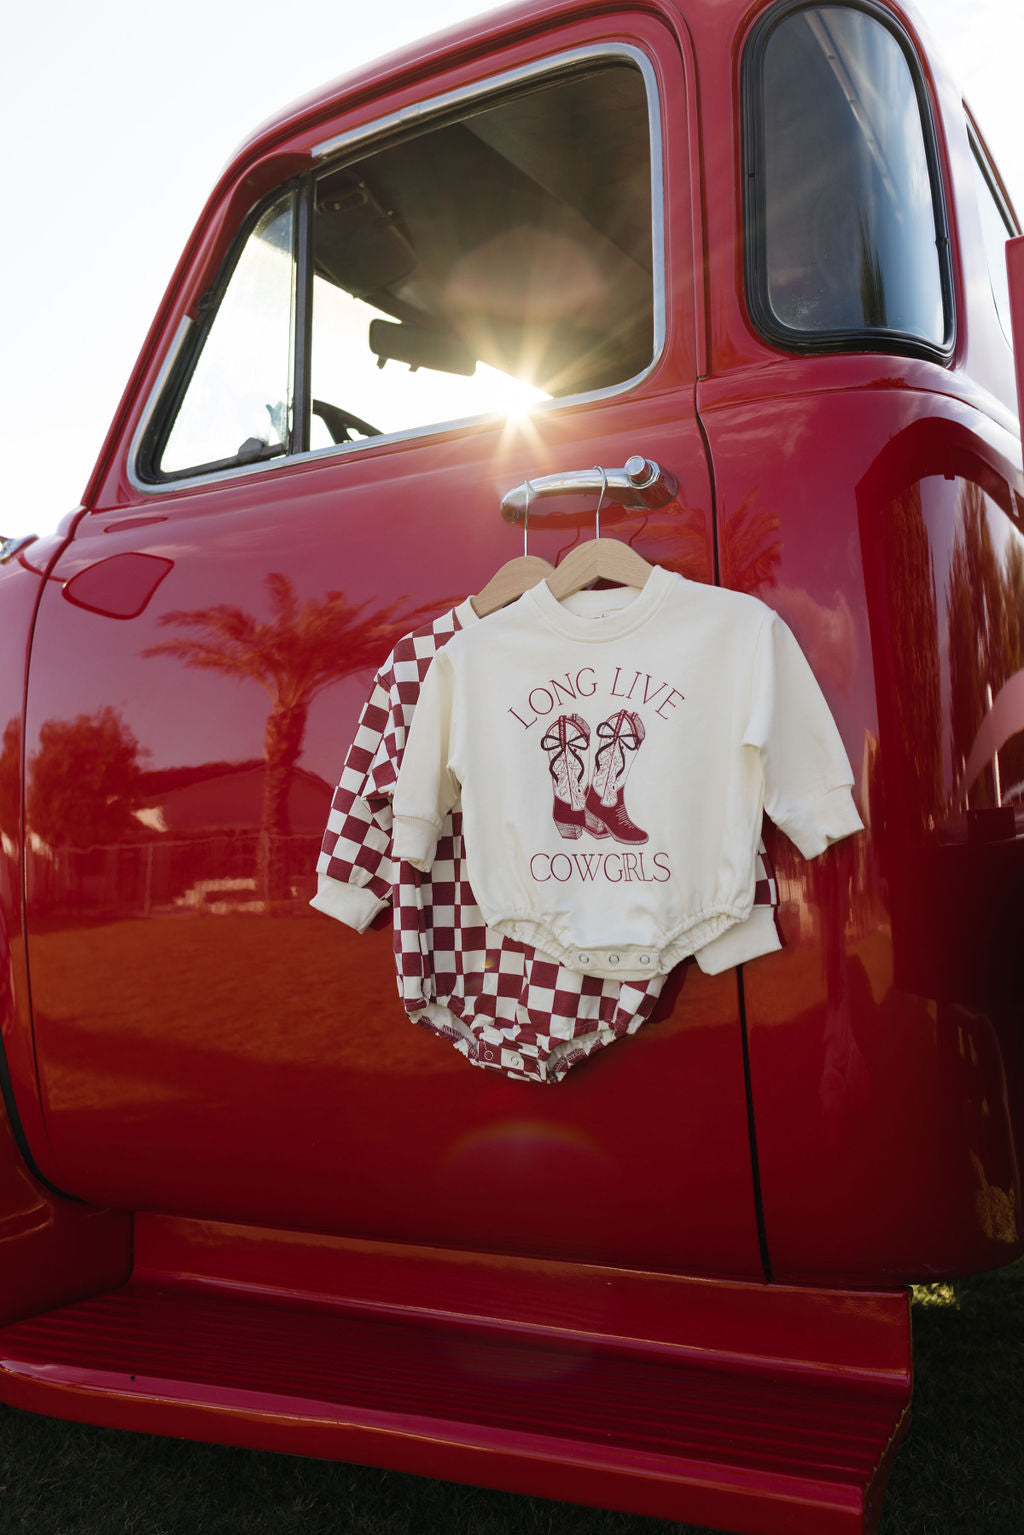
(749, 259)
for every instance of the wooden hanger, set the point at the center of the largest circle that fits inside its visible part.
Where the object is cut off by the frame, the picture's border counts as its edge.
(510, 581)
(513, 578)
(607, 559)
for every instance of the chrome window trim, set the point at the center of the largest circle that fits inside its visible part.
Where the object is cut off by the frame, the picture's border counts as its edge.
(417, 115)
(988, 173)
(174, 351)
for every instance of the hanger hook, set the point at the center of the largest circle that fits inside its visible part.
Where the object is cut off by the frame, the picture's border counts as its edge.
(600, 500)
(526, 522)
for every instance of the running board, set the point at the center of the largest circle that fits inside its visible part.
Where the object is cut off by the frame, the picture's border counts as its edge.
(749, 1408)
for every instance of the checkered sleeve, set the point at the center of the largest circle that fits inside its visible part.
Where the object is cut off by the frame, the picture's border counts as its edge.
(402, 679)
(355, 870)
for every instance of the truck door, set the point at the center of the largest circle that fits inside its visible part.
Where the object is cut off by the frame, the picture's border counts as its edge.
(399, 304)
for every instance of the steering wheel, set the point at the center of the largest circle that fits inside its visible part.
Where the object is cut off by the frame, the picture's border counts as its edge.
(342, 423)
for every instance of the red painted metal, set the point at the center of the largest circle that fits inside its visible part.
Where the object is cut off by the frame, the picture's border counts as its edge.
(846, 1114)
(740, 1325)
(55, 1251)
(311, 1043)
(889, 1016)
(751, 1406)
(19, 593)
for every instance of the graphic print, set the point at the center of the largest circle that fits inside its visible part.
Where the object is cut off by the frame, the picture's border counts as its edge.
(601, 809)
(565, 743)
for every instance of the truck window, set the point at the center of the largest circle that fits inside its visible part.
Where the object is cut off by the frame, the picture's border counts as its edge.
(845, 234)
(997, 226)
(238, 402)
(499, 257)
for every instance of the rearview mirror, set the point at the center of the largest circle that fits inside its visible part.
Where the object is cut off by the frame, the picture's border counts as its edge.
(421, 346)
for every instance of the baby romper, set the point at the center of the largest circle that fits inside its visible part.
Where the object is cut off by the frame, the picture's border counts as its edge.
(534, 720)
(501, 1004)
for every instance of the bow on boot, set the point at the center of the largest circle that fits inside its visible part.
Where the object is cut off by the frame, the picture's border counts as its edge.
(565, 743)
(621, 737)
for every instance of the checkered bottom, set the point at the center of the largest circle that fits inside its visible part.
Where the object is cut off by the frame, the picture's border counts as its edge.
(503, 1005)
(515, 1054)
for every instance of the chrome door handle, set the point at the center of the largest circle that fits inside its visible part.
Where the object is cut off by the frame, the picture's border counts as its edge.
(639, 483)
(9, 547)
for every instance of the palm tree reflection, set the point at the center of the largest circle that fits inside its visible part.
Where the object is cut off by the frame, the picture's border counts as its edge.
(294, 655)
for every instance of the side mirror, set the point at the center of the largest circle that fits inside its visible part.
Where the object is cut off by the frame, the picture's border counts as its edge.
(1015, 276)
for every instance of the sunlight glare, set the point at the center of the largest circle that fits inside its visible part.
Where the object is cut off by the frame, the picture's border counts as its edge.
(511, 397)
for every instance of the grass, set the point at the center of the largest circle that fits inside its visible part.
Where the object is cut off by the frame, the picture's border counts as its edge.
(961, 1469)
(960, 1472)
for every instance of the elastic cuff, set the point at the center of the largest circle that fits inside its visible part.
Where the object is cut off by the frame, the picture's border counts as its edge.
(355, 905)
(744, 941)
(829, 819)
(415, 841)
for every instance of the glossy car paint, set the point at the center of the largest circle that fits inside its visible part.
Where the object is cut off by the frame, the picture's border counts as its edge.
(786, 1404)
(884, 1041)
(259, 1067)
(342, 1201)
(54, 1250)
(199, 1057)
(20, 587)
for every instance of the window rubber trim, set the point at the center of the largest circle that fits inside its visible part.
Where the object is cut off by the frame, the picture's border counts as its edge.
(187, 347)
(759, 309)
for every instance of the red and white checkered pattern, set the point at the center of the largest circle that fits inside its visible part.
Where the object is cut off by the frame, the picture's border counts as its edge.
(356, 848)
(501, 1004)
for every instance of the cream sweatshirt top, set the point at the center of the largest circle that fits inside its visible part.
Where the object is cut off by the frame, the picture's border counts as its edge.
(614, 755)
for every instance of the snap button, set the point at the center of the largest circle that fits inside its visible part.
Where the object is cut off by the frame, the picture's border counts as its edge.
(583, 959)
(645, 959)
(613, 959)
(515, 1061)
(488, 1055)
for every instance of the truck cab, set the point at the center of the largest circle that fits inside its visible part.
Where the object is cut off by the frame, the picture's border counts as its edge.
(748, 261)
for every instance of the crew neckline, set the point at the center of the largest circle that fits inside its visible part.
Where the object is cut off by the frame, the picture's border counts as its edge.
(602, 603)
(607, 625)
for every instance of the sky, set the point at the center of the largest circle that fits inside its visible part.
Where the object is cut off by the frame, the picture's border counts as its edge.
(118, 116)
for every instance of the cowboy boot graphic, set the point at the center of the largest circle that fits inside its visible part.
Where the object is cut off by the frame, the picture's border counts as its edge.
(621, 736)
(566, 744)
